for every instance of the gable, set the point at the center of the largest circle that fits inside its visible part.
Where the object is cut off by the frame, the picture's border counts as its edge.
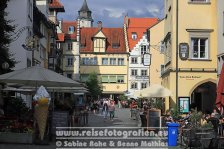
(100, 34)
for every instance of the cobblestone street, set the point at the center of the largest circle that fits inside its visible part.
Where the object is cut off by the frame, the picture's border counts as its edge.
(122, 119)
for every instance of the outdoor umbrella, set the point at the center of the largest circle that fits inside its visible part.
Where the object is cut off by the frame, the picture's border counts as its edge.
(154, 90)
(37, 76)
(220, 90)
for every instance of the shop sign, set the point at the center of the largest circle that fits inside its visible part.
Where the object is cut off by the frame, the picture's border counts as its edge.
(190, 77)
(184, 103)
(183, 51)
(147, 59)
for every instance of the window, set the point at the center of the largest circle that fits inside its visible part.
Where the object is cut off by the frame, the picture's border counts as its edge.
(162, 47)
(69, 75)
(69, 46)
(162, 69)
(120, 79)
(69, 61)
(120, 61)
(143, 72)
(89, 61)
(30, 9)
(104, 61)
(71, 29)
(143, 49)
(199, 48)
(58, 45)
(42, 52)
(134, 35)
(104, 79)
(115, 45)
(134, 72)
(85, 61)
(134, 85)
(134, 60)
(93, 61)
(112, 61)
(143, 85)
(42, 29)
(84, 77)
(112, 79)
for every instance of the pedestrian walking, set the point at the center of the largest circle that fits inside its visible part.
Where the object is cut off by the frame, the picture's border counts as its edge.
(112, 110)
(105, 110)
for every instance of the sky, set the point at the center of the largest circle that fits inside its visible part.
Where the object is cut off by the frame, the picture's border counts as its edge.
(112, 12)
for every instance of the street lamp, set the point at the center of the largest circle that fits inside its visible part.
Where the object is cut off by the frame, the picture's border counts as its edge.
(5, 66)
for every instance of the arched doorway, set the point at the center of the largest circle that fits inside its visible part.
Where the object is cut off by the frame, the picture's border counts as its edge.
(203, 97)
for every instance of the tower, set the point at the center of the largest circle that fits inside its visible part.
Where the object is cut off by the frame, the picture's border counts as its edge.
(85, 16)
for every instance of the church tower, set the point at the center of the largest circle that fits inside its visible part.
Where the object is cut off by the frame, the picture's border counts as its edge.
(85, 16)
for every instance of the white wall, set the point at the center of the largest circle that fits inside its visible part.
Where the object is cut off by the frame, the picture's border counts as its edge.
(18, 11)
(136, 52)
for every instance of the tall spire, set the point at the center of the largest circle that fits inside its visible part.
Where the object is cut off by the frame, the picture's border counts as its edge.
(84, 7)
(85, 15)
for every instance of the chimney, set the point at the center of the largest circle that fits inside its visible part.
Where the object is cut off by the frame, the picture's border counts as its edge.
(99, 25)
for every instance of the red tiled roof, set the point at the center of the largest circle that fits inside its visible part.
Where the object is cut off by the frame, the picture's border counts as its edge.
(61, 37)
(56, 4)
(113, 36)
(66, 25)
(139, 26)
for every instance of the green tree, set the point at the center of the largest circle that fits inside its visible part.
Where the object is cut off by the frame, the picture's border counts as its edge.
(93, 85)
(5, 38)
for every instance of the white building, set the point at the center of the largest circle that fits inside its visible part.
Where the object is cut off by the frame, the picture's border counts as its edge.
(69, 38)
(21, 12)
(138, 45)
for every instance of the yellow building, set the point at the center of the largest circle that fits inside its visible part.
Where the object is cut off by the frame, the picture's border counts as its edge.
(197, 55)
(102, 50)
(156, 34)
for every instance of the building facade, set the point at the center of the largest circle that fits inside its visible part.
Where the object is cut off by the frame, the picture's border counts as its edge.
(137, 45)
(220, 31)
(102, 50)
(156, 49)
(23, 19)
(195, 48)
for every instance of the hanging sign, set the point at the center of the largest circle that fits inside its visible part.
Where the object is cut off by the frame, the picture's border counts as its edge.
(146, 59)
(183, 51)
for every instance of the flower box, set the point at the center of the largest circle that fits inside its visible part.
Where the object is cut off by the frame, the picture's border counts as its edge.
(11, 137)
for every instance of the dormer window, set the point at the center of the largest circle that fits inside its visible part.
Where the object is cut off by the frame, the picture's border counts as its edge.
(115, 45)
(134, 35)
(71, 29)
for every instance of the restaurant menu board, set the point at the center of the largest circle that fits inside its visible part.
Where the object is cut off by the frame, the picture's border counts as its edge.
(59, 119)
(184, 104)
(153, 118)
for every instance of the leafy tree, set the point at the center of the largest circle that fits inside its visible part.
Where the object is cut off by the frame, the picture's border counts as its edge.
(93, 85)
(5, 38)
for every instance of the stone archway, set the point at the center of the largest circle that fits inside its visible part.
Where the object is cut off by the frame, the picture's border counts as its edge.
(203, 97)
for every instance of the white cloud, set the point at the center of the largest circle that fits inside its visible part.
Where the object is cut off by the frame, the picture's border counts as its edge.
(115, 12)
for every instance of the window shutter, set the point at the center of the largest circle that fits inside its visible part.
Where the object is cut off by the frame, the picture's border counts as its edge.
(113, 79)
